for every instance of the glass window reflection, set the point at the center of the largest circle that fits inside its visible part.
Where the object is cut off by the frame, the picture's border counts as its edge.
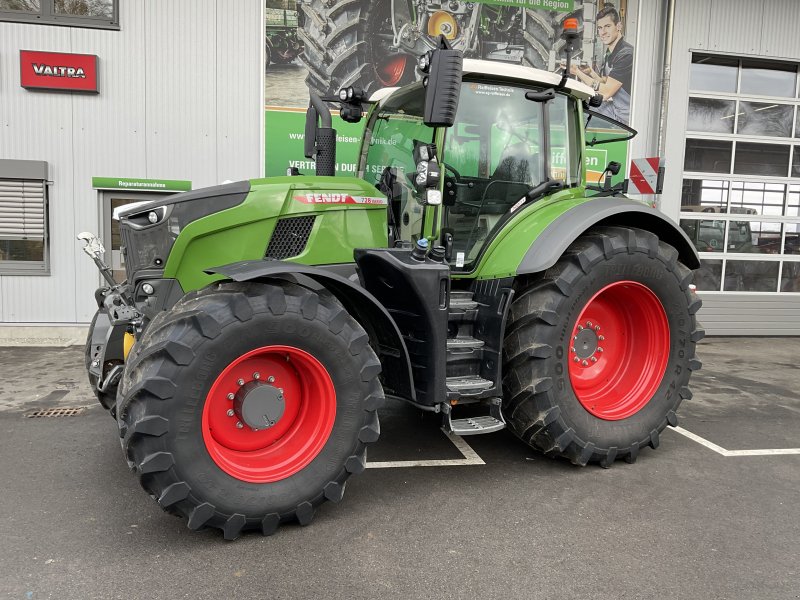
(750, 276)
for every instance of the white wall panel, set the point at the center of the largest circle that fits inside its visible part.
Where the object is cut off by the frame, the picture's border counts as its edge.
(780, 28)
(109, 128)
(38, 126)
(180, 88)
(735, 26)
(239, 69)
(750, 314)
(180, 97)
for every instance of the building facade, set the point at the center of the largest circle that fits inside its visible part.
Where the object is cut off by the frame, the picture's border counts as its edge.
(179, 103)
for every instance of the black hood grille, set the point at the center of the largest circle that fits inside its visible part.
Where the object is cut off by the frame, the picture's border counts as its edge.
(290, 237)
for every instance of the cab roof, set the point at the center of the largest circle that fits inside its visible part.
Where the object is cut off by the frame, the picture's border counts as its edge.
(499, 70)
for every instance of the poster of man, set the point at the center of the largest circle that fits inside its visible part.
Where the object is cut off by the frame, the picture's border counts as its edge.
(614, 80)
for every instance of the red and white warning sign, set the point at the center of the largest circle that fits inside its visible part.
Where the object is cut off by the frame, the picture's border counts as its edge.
(643, 176)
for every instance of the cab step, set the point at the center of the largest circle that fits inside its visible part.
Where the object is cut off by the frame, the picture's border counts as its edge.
(470, 385)
(462, 301)
(465, 344)
(477, 425)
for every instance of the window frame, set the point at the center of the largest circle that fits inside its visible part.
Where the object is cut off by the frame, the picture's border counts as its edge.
(730, 178)
(48, 16)
(31, 267)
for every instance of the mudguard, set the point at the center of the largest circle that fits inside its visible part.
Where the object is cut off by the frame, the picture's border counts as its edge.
(363, 306)
(550, 245)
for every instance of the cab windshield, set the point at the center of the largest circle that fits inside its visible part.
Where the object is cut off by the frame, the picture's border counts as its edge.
(495, 153)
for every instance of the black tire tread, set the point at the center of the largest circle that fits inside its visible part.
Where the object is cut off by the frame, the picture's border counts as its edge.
(163, 349)
(529, 406)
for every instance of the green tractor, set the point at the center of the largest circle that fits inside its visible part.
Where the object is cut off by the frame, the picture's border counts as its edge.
(468, 270)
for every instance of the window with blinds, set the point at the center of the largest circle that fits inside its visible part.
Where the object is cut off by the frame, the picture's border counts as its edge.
(23, 225)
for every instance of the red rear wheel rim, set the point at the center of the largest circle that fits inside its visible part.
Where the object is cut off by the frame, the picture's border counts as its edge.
(619, 350)
(278, 451)
(391, 72)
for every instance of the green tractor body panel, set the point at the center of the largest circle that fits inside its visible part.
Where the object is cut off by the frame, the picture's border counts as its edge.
(349, 213)
(506, 251)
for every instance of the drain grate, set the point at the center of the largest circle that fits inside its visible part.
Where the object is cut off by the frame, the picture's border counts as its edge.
(55, 412)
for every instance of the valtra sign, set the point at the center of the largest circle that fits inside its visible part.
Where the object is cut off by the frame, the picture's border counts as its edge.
(58, 71)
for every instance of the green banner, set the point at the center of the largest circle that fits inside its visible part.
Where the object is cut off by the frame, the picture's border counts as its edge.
(285, 138)
(148, 185)
(559, 5)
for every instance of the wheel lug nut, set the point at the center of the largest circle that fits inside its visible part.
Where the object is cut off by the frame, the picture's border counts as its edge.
(572, 349)
(240, 381)
(594, 359)
(585, 364)
(270, 379)
(576, 359)
(256, 375)
(601, 338)
(580, 327)
(231, 396)
(597, 327)
(239, 425)
(599, 349)
(589, 324)
(230, 412)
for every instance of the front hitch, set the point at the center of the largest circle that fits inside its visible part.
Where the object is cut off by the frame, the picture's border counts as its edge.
(114, 299)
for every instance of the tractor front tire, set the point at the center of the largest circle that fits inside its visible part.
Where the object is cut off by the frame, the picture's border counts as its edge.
(249, 404)
(600, 348)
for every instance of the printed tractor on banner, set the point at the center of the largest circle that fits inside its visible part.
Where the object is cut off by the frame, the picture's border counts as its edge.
(281, 43)
(468, 271)
(376, 44)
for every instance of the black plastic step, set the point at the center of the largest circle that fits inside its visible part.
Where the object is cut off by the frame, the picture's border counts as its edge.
(471, 385)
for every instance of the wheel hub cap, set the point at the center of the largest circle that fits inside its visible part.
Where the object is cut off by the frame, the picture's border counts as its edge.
(259, 405)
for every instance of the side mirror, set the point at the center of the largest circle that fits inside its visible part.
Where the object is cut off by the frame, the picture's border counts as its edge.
(442, 85)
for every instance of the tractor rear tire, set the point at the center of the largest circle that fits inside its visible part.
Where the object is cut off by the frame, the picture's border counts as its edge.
(600, 348)
(194, 449)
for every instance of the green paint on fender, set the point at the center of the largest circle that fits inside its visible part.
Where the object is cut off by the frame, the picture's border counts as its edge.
(506, 251)
(350, 213)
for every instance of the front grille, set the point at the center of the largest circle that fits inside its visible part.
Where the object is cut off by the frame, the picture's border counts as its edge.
(290, 237)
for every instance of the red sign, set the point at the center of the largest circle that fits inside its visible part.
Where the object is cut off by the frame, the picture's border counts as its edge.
(643, 176)
(58, 71)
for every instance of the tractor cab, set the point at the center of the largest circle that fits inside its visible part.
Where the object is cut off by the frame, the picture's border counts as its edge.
(504, 143)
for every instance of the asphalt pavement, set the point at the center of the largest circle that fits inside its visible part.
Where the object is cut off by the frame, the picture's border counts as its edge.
(713, 513)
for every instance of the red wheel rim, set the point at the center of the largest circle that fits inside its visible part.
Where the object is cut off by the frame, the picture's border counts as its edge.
(298, 434)
(619, 350)
(391, 72)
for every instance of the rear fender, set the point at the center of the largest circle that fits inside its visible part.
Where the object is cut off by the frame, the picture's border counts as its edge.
(551, 244)
(363, 306)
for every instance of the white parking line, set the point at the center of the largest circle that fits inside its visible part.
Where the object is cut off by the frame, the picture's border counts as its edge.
(470, 458)
(720, 450)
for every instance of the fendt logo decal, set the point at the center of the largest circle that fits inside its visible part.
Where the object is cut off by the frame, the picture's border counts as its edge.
(338, 199)
(49, 71)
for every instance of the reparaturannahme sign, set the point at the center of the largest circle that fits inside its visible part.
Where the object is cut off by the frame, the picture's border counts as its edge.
(149, 185)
